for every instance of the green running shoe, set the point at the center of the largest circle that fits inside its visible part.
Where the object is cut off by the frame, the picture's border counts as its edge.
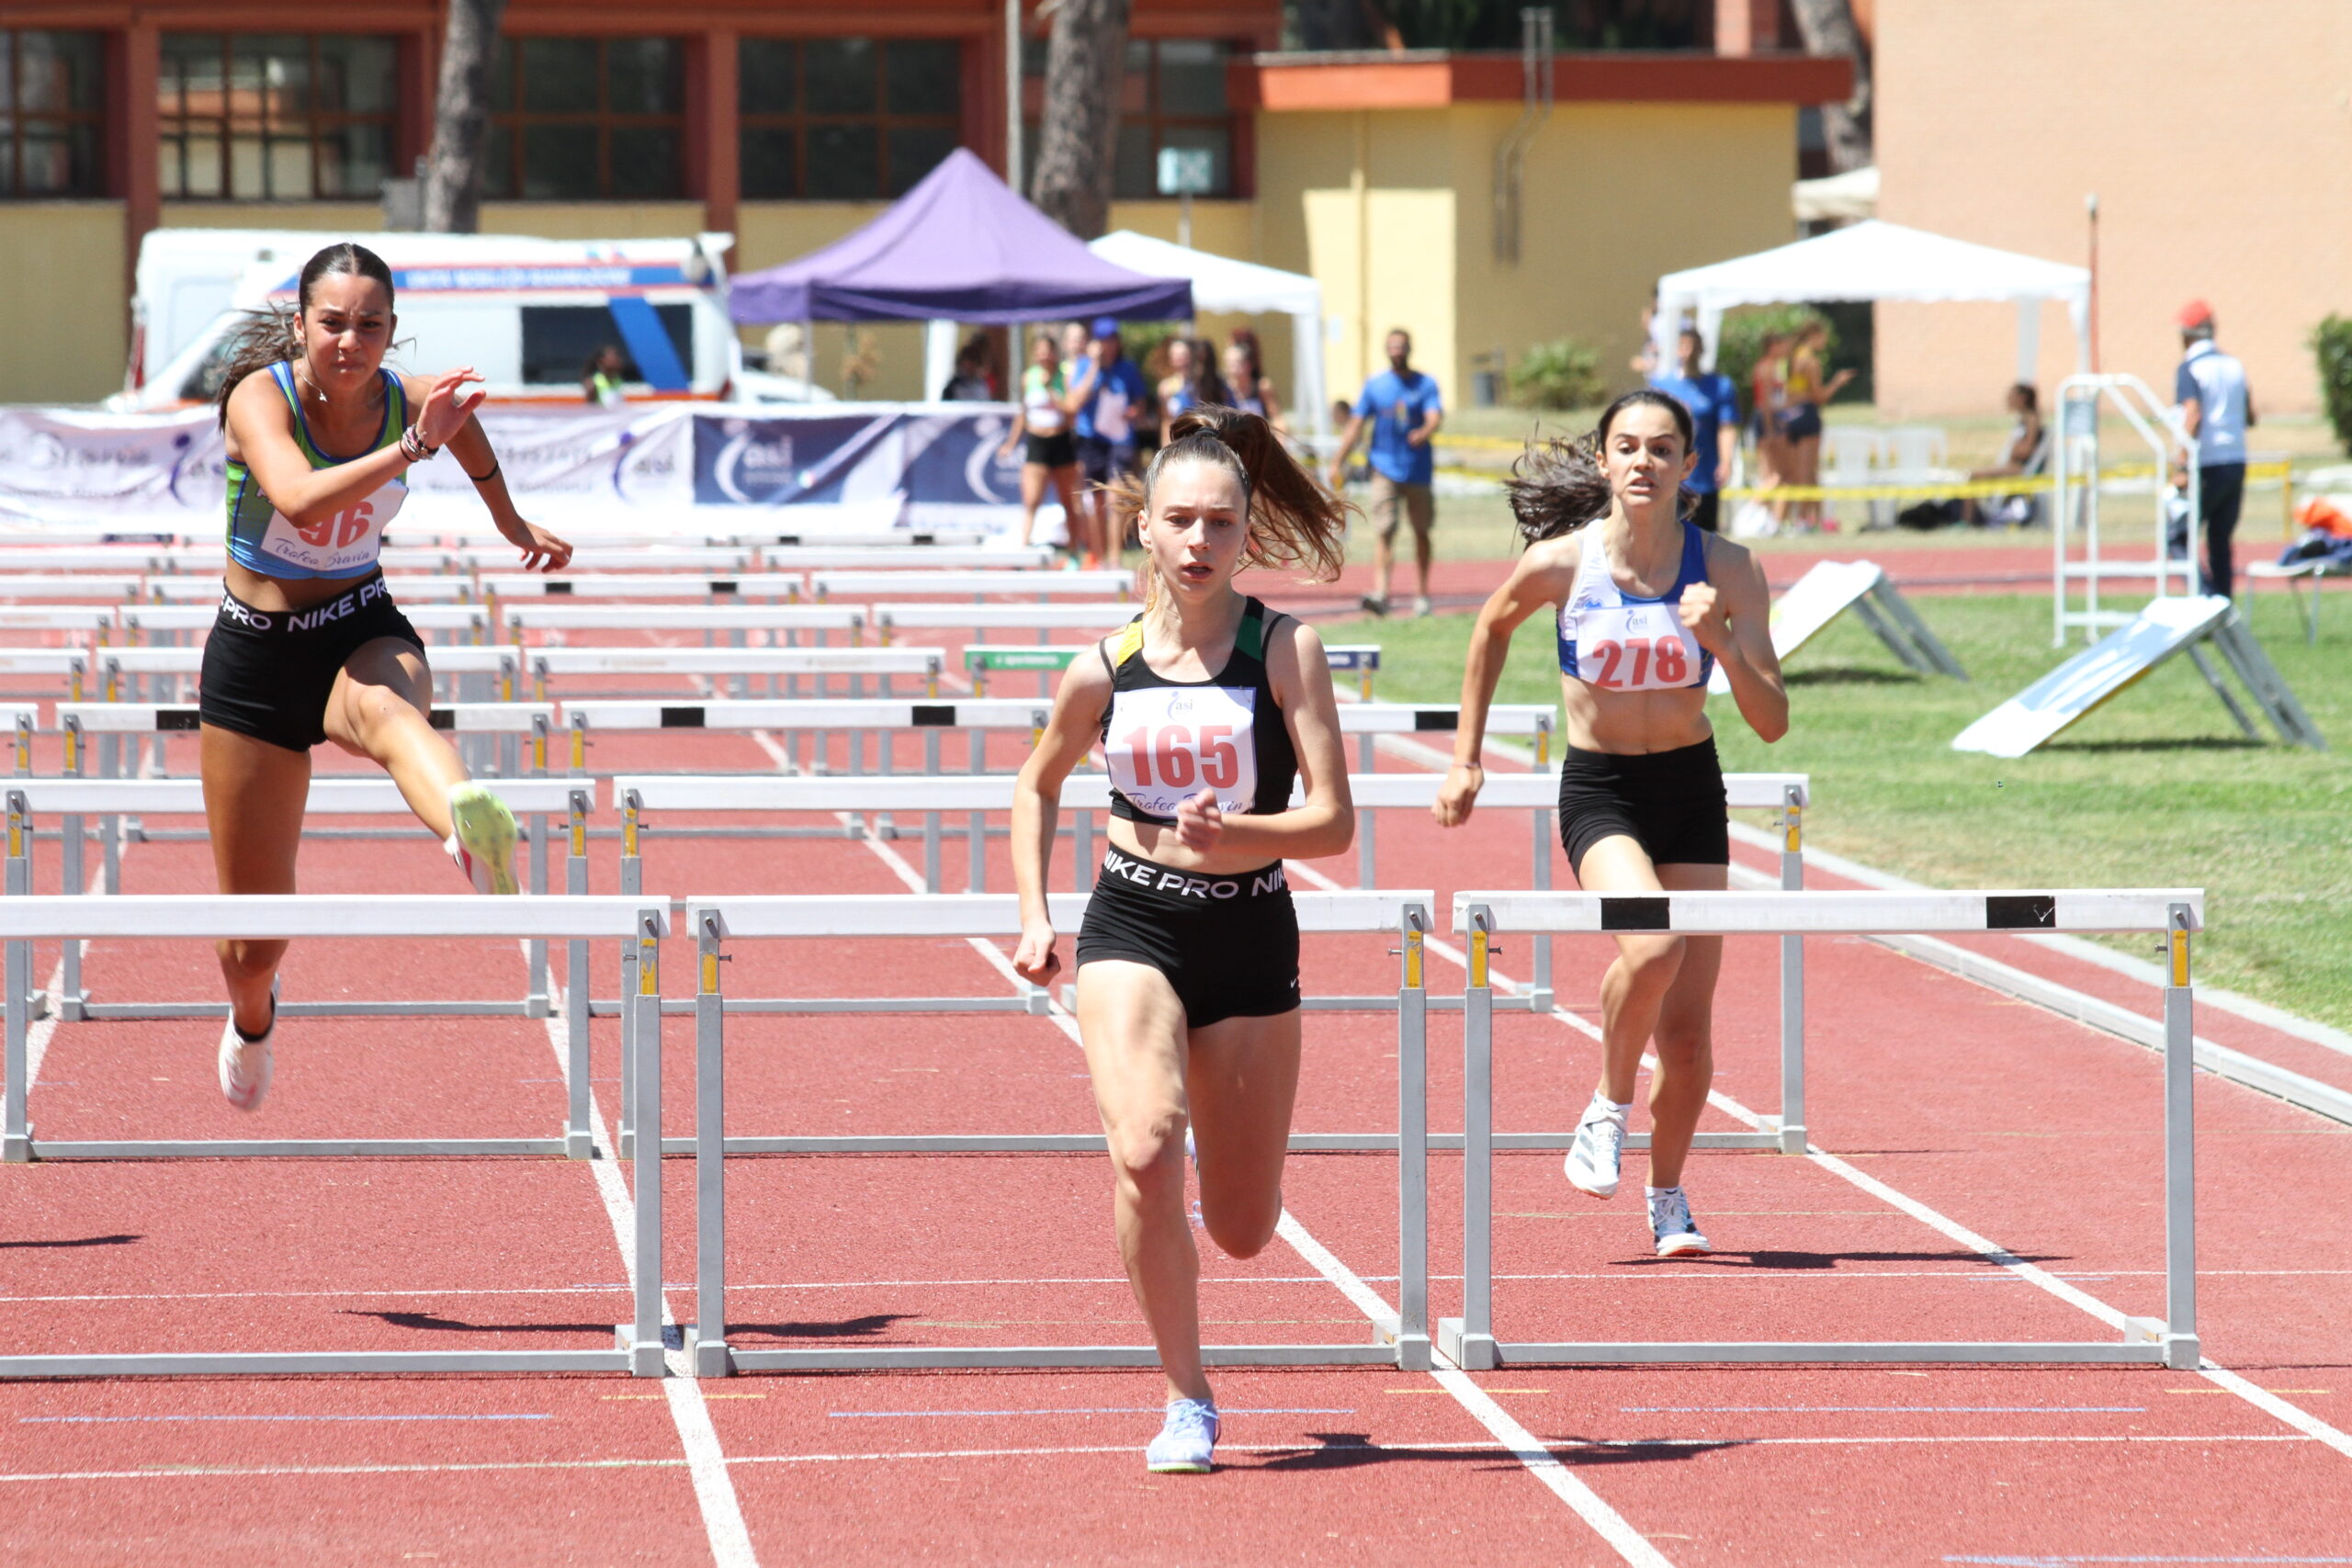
(482, 837)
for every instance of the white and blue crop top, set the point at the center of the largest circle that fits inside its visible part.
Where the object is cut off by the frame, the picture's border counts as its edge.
(264, 539)
(1614, 640)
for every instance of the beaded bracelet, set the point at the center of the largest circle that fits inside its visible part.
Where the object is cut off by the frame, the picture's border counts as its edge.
(412, 446)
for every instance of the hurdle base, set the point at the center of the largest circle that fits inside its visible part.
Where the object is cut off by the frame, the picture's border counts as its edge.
(892, 1357)
(708, 1358)
(75, 1009)
(285, 1148)
(16, 1148)
(639, 1357)
(121, 1012)
(311, 1362)
(579, 1145)
(1471, 1352)
(1863, 1351)
(1412, 1349)
(2180, 1352)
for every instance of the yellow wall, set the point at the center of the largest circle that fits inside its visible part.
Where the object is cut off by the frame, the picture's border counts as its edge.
(64, 332)
(1392, 211)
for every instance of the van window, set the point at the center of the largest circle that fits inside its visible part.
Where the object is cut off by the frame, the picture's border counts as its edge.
(558, 341)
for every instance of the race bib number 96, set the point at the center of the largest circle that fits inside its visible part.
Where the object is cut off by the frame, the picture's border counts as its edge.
(1168, 743)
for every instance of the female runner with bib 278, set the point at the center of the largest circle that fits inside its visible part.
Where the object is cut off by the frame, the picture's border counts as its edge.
(1207, 706)
(309, 646)
(1648, 605)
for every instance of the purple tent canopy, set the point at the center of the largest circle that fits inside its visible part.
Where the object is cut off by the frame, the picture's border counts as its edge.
(961, 246)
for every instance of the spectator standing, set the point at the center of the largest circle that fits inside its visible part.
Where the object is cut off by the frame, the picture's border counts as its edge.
(1250, 391)
(1111, 398)
(1176, 387)
(1048, 455)
(2216, 410)
(970, 382)
(1805, 385)
(1206, 385)
(1713, 403)
(601, 381)
(1404, 411)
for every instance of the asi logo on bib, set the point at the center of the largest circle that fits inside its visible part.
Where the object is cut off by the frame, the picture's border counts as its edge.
(1168, 743)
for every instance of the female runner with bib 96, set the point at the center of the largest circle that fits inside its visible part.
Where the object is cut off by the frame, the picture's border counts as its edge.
(1648, 605)
(1207, 706)
(309, 646)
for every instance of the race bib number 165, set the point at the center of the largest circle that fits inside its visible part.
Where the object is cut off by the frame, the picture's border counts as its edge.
(1168, 743)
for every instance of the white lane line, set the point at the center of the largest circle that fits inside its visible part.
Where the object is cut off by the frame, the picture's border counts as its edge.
(722, 1514)
(127, 1420)
(2001, 1256)
(1607, 1522)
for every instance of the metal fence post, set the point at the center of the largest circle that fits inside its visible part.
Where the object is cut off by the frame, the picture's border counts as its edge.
(579, 1139)
(1413, 1148)
(1470, 1338)
(644, 1341)
(707, 1347)
(16, 1132)
(2181, 1347)
(1791, 1119)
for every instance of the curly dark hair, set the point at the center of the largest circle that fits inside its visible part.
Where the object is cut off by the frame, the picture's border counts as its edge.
(1557, 486)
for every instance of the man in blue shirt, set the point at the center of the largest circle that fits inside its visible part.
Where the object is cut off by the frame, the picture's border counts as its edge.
(2215, 410)
(1713, 403)
(1109, 393)
(1405, 409)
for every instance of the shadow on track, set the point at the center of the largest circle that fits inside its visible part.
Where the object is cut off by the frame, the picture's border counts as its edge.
(1799, 1262)
(79, 1241)
(1353, 1450)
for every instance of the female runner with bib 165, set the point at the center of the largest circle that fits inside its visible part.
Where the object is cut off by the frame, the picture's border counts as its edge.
(1648, 605)
(309, 646)
(1207, 706)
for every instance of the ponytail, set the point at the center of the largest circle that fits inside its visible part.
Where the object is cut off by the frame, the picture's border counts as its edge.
(1294, 521)
(268, 336)
(264, 338)
(1557, 486)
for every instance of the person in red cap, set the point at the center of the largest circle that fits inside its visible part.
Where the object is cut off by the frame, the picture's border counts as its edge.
(2215, 410)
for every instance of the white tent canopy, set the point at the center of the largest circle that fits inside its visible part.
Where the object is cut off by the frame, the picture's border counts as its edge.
(1876, 261)
(1225, 285)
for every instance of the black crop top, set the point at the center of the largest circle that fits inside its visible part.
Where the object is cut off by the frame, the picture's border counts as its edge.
(1164, 741)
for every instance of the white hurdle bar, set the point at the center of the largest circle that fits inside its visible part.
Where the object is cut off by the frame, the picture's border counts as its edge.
(509, 721)
(636, 925)
(73, 663)
(171, 620)
(74, 800)
(419, 588)
(88, 586)
(898, 557)
(824, 586)
(2177, 913)
(651, 585)
(708, 619)
(1402, 1341)
(501, 663)
(1043, 619)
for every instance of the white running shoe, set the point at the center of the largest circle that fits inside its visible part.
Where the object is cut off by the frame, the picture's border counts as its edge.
(1187, 1443)
(1421, 605)
(1600, 1146)
(481, 839)
(245, 1066)
(1675, 1231)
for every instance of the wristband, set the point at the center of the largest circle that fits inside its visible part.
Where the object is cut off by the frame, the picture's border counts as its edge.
(485, 479)
(413, 447)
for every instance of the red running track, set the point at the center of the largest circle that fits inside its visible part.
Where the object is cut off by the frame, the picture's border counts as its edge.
(1952, 1113)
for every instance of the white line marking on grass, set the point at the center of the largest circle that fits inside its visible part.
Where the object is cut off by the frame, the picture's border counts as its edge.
(2001, 1256)
(722, 1512)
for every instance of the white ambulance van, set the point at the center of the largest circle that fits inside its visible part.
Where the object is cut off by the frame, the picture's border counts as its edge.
(528, 313)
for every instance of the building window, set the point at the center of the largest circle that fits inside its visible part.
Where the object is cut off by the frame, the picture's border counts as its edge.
(51, 105)
(587, 120)
(276, 116)
(846, 118)
(1173, 96)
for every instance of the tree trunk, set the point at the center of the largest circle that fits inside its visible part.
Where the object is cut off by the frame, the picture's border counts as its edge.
(1827, 27)
(1085, 67)
(461, 117)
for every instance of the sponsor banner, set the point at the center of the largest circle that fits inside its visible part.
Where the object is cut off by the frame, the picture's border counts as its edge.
(649, 469)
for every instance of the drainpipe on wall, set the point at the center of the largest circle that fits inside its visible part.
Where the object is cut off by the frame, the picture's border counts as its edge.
(1510, 155)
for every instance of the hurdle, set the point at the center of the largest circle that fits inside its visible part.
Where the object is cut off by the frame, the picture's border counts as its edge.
(414, 589)
(171, 620)
(71, 585)
(500, 663)
(708, 619)
(651, 585)
(92, 621)
(638, 926)
(851, 558)
(828, 585)
(1044, 619)
(74, 800)
(1401, 1341)
(850, 665)
(981, 660)
(73, 663)
(508, 721)
(1480, 917)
